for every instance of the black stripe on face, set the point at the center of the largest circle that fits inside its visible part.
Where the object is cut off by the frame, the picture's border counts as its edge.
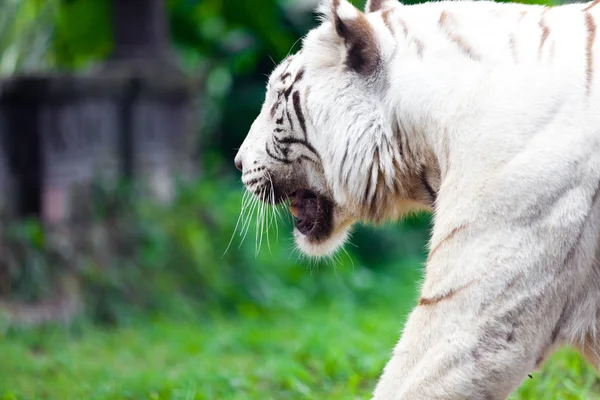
(298, 110)
(287, 113)
(283, 150)
(253, 182)
(290, 141)
(305, 158)
(273, 156)
(299, 75)
(288, 91)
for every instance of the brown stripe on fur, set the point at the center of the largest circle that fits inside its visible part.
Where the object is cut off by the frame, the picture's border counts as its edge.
(443, 18)
(403, 26)
(446, 239)
(431, 301)
(420, 47)
(523, 14)
(375, 5)
(591, 37)
(455, 38)
(592, 4)
(545, 33)
(386, 20)
(418, 44)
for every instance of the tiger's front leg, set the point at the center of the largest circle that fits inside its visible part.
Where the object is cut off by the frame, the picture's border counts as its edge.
(477, 341)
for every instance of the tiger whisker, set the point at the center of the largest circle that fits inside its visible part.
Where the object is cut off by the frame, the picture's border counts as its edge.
(246, 204)
(348, 254)
(267, 224)
(334, 262)
(257, 228)
(274, 207)
(261, 220)
(249, 220)
(240, 218)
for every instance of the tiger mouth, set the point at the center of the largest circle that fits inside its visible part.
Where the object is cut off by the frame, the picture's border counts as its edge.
(313, 214)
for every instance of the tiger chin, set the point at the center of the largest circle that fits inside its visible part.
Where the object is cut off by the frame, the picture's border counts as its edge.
(486, 114)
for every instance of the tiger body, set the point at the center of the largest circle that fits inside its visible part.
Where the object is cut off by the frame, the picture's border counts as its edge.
(488, 114)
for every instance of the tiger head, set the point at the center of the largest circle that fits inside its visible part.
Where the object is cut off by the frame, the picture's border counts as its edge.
(325, 138)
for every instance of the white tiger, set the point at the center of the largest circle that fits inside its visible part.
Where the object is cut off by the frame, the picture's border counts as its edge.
(489, 115)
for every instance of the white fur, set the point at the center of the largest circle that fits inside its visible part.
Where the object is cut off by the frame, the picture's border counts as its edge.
(512, 134)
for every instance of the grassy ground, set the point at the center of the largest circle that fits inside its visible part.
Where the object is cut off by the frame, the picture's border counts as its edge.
(323, 352)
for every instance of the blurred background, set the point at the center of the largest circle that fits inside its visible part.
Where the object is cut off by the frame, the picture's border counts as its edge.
(126, 271)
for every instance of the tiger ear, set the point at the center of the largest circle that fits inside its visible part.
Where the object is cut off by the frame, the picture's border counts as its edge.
(362, 52)
(378, 5)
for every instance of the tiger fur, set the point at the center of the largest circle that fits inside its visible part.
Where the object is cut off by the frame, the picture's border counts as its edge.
(487, 114)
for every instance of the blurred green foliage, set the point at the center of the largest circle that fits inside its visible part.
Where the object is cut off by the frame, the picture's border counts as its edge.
(139, 256)
(25, 34)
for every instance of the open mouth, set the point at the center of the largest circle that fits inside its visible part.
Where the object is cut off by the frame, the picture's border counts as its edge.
(312, 212)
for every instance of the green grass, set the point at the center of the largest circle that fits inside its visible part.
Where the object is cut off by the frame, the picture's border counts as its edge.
(326, 351)
(336, 351)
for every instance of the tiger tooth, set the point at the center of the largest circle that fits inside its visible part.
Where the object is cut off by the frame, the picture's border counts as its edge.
(295, 211)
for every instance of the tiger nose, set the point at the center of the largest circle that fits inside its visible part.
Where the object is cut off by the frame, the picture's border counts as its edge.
(238, 163)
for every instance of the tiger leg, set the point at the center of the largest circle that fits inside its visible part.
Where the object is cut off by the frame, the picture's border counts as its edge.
(476, 343)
